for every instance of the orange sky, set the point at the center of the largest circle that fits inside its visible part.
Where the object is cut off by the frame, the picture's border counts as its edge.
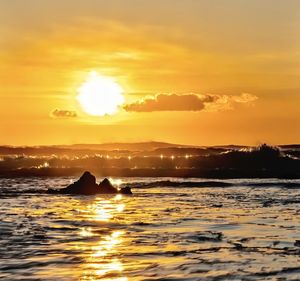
(193, 72)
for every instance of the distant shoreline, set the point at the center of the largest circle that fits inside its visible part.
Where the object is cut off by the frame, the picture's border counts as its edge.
(143, 173)
(263, 161)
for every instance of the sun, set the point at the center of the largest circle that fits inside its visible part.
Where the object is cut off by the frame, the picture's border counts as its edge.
(100, 95)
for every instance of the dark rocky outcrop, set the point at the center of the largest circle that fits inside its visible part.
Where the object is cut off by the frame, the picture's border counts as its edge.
(126, 190)
(106, 187)
(86, 185)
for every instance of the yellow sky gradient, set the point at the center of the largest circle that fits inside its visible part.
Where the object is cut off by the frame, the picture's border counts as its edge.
(224, 50)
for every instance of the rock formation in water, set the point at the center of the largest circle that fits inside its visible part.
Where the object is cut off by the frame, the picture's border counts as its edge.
(126, 190)
(86, 185)
(106, 187)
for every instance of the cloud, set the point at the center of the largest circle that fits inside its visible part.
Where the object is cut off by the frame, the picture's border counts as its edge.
(244, 98)
(59, 113)
(188, 102)
(229, 102)
(170, 102)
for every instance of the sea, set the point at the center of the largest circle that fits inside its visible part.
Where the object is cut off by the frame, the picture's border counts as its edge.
(169, 229)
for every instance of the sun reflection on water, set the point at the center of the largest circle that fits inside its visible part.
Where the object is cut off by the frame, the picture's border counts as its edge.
(116, 279)
(118, 197)
(86, 232)
(103, 214)
(116, 182)
(114, 265)
(107, 244)
(102, 260)
(104, 209)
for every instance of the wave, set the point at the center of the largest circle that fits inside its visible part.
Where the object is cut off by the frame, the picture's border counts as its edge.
(18, 188)
(275, 184)
(204, 184)
(169, 183)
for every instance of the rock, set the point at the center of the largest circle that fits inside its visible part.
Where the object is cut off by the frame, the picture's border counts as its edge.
(105, 187)
(126, 190)
(86, 185)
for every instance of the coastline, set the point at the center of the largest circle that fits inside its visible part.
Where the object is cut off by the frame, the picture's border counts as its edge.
(172, 173)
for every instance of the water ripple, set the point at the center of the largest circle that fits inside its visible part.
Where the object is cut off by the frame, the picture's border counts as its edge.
(241, 230)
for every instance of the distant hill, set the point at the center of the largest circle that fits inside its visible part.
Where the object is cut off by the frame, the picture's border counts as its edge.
(89, 149)
(136, 146)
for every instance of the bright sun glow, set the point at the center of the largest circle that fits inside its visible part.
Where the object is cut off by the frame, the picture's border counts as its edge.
(100, 95)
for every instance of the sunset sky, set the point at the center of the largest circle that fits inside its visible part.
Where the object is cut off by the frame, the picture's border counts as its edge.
(191, 72)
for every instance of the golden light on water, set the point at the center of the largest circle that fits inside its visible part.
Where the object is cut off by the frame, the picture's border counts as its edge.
(118, 197)
(115, 265)
(101, 261)
(100, 95)
(86, 232)
(105, 248)
(116, 182)
(120, 207)
(116, 279)
(108, 244)
(103, 214)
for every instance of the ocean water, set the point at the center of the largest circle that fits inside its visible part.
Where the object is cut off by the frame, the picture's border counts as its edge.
(170, 229)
